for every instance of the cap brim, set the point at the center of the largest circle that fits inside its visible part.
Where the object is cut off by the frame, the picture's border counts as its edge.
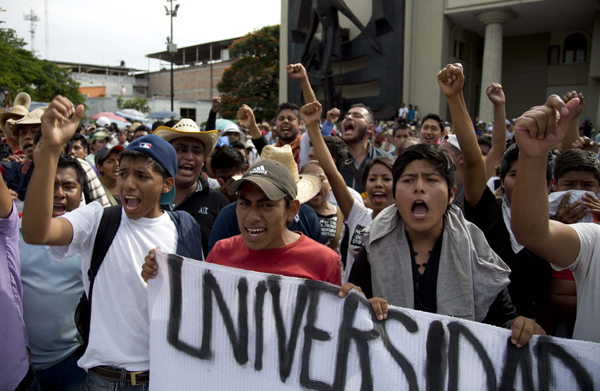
(271, 190)
(167, 198)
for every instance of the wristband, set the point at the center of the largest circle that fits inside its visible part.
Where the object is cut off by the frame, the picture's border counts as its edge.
(312, 93)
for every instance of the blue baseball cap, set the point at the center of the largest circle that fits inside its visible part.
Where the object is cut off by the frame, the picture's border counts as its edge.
(163, 153)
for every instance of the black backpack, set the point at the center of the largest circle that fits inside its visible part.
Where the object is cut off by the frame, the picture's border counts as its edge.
(186, 226)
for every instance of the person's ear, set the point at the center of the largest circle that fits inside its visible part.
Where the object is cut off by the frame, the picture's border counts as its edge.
(452, 194)
(293, 211)
(245, 168)
(553, 184)
(168, 185)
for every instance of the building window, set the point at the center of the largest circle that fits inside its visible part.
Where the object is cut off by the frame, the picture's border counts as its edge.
(553, 55)
(575, 49)
(459, 48)
(188, 113)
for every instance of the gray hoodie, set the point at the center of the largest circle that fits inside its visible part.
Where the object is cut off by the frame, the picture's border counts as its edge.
(470, 276)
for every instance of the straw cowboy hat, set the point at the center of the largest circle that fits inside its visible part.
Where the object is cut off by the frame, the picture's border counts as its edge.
(33, 118)
(22, 99)
(188, 128)
(18, 111)
(308, 185)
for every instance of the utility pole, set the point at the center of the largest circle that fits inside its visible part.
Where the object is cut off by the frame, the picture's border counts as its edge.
(32, 18)
(171, 47)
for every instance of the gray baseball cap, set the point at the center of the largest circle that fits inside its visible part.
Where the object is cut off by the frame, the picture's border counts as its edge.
(272, 177)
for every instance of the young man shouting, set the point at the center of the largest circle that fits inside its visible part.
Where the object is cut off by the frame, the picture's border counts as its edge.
(118, 352)
(266, 205)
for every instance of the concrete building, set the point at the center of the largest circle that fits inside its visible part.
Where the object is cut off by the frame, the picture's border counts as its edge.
(100, 81)
(198, 70)
(534, 48)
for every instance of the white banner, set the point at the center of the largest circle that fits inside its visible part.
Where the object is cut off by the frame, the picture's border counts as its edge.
(218, 328)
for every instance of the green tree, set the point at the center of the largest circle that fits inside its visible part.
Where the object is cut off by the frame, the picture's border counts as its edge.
(252, 79)
(21, 71)
(139, 104)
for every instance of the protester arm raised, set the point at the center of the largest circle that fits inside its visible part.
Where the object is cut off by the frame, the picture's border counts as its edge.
(451, 80)
(311, 113)
(38, 226)
(494, 157)
(538, 131)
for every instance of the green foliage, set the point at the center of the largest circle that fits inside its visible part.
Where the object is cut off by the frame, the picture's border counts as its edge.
(139, 104)
(253, 79)
(20, 71)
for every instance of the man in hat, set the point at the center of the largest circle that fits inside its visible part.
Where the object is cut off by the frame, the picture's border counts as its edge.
(103, 122)
(193, 193)
(267, 203)
(306, 220)
(17, 174)
(17, 112)
(118, 350)
(233, 133)
(99, 139)
(24, 130)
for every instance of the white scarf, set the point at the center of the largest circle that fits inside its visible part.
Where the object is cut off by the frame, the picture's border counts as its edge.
(506, 215)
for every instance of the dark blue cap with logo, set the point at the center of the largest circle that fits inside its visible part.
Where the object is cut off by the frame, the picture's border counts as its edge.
(160, 151)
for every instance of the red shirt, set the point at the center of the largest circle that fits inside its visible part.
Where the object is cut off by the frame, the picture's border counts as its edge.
(304, 258)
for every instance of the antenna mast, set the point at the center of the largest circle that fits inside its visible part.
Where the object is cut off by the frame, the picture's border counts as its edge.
(47, 31)
(32, 18)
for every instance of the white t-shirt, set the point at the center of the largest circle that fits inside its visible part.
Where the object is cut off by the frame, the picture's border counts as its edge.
(119, 326)
(360, 217)
(586, 270)
(402, 112)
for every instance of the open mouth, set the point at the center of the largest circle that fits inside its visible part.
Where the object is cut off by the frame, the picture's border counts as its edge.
(349, 128)
(419, 209)
(256, 232)
(28, 147)
(186, 168)
(132, 203)
(379, 197)
(58, 209)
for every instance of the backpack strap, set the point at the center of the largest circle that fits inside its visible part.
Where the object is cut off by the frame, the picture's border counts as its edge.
(189, 242)
(107, 230)
(339, 228)
(344, 246)
(355, 174)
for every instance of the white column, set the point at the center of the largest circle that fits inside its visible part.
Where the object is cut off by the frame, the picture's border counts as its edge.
(492, 57)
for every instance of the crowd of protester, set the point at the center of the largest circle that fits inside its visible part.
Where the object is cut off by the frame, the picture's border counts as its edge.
(419, 213)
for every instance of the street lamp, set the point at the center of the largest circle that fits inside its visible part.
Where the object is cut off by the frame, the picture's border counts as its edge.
(171, 47)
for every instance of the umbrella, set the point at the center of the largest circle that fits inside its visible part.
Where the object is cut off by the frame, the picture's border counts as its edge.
(162, 114)
(132, 114)
(108, 115)
(223, 123)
